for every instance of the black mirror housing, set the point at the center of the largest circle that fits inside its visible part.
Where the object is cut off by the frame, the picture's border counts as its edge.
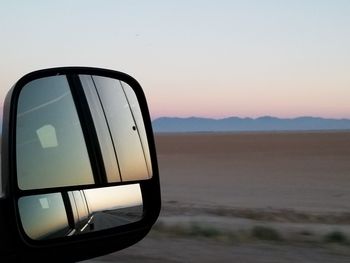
(33, 133)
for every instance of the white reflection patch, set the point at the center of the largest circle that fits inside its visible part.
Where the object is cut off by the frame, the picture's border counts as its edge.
(47, 136)
(44, 203)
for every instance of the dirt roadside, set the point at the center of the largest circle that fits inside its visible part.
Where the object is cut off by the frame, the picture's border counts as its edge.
(250, 198)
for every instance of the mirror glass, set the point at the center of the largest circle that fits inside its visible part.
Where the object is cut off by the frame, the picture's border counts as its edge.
(121, 130)
(51, 151)
(137, 114)
(43, 216)
(50, 146)
(49, 216)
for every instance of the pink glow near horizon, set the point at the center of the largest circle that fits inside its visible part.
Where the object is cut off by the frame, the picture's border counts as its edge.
(253, 116)
(336, 111)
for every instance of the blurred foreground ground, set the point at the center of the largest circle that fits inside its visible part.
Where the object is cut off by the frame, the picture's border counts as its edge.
(250, 197)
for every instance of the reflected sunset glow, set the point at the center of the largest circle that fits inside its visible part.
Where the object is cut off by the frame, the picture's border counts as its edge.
(108, 198)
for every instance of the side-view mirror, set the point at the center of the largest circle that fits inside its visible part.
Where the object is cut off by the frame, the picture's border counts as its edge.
(79, 174)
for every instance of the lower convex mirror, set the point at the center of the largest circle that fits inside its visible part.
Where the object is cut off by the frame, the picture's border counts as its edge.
(54, 215)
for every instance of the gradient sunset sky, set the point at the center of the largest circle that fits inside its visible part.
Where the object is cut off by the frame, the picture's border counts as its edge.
(245, 58)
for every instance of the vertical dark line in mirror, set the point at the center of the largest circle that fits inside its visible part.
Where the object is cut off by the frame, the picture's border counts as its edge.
(109, 128)
(69, 210)
(88, 128)
(86, 202)
(76, 208)
(137, 129)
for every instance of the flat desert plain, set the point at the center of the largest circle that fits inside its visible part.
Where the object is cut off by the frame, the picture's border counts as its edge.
(304, 171)
(250, 197)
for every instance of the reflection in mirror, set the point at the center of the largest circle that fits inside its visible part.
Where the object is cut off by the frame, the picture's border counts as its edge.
(56, 215)
(50, 146)
(114, 206)
(47, 136)
(119, 123)
(102, 130)
(137, 114)
(44, 216)
(119, 118)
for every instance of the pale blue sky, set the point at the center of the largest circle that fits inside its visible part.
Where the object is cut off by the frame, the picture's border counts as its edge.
(194, 58)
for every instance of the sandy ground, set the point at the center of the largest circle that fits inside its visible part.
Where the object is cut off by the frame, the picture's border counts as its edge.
(177, 250)
(284, 170)
(217, 188)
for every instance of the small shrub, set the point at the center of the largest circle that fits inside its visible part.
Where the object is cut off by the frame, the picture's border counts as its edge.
(203, 231)
(266, 233)
(336, 237)
(306, 233)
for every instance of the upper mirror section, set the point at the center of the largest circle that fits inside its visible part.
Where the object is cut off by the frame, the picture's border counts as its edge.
(51, 140)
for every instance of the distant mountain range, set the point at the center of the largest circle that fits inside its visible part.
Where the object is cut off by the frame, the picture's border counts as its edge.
(234, 124)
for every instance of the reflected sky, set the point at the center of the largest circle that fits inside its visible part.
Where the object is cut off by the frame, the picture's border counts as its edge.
(42, 215)
(50, 145)
(109, 198)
